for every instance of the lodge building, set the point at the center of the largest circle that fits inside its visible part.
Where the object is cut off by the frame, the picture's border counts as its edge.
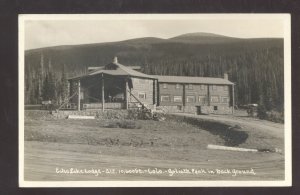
(116, 86)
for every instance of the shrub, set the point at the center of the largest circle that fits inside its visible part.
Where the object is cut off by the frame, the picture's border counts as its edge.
(124, 124)
(275, 116)
(261, 112)
(133, 114)
(113, 125)
(139, 114)
(129, 125)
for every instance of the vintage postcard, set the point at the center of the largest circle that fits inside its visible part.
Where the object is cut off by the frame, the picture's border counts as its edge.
(160, 100)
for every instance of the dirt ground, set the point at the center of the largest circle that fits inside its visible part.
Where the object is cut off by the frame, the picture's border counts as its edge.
(65, 149)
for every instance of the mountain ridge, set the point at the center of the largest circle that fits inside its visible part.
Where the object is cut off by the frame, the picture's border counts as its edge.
(183, 38)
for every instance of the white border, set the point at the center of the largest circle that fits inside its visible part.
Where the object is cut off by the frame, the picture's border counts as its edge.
(287, 96)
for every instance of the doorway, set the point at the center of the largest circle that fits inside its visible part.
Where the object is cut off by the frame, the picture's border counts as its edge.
(198, 109)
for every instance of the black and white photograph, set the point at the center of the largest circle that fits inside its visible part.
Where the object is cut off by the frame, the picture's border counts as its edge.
(154, 100)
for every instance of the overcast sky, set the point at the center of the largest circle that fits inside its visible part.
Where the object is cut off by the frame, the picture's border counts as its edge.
(45, 33)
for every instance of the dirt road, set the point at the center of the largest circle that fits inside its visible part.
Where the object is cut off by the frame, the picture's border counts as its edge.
(47, 162)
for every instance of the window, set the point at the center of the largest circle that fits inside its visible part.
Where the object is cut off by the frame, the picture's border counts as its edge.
(190, 98)
(177, 98)
(225, 100)
(215, 107)
(214, 99)
(142, 95)
(202, 87)
(202, 99)
(177, 86)
(214, 87)
(165, 98)
(190, 86)
(179, 107)
(225, 88)
(165, 86)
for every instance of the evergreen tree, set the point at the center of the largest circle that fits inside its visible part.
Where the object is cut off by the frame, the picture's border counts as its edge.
(63, 86)
(48, 90)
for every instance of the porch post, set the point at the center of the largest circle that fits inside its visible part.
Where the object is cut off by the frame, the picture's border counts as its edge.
(208, 95)
(233, 99)
(154, 83)
(102, 86)
(183, 97)
(78, 106)
(70, 88)
(126, 93)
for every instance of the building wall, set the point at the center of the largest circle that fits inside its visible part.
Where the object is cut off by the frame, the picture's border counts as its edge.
(220, 91)
(142, 86)
(193, 109)
(170, 91)
(195, 97)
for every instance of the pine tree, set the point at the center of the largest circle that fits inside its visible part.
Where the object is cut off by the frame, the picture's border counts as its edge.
(48, 91)
(63, 92)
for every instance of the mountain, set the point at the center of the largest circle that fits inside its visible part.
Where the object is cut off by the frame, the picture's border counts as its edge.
(255, 65)
(144, 50)
(203, 38)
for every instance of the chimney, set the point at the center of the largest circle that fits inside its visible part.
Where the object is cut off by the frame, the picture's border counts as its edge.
(115, 59)
(226, 76)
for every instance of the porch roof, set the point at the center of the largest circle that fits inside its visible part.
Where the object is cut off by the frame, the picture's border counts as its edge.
(120, 70)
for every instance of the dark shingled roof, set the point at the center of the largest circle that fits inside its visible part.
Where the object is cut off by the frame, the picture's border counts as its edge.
(190, 79)
(120, 70)
(117, 69)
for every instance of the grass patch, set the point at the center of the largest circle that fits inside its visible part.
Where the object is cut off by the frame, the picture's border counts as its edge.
(135, 133)
(176, 132)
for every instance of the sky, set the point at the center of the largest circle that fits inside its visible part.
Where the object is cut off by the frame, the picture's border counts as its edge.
(52, 31)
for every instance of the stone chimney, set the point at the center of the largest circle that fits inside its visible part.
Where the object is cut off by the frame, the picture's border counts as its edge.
(115, 59)
(226, 76)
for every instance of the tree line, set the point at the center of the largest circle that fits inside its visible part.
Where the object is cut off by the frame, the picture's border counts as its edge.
(44, 83)
(258, 75)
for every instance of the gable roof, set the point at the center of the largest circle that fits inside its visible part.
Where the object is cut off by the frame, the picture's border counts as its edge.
(119, 70)
(116, 69)
(124, 70)
(192, 80)
(92, 68)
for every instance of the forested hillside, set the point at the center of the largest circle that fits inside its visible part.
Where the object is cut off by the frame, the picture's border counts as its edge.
(254, 65)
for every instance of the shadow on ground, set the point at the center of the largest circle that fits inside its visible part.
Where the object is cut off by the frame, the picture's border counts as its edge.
(232, 135)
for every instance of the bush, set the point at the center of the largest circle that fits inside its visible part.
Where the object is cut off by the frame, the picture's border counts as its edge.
(129, 125)
(275, 116)
(272, 115)
(113, 125)
(139, 114)
(261, 112)
(124, 125)
(133, 114)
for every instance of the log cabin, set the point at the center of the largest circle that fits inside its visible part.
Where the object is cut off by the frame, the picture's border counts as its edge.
(116, 86)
